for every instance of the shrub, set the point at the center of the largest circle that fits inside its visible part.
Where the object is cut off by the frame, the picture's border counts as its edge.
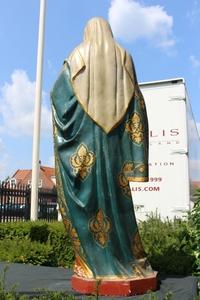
(15, 229)
(168, 246)
(194, 231)
(172, 246)
(61, 244)
(25, 251)
(49, 243)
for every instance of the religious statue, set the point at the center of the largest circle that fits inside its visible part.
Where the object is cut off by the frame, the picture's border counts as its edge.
(101, 143)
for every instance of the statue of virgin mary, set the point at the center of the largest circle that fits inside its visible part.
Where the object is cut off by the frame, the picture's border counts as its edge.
(101, 143)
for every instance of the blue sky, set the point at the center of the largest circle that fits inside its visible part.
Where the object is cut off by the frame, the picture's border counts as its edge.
(162, 37)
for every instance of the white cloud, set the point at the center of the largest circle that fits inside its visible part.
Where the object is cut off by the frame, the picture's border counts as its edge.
(17, 106)
(195, 61)
(131, 20)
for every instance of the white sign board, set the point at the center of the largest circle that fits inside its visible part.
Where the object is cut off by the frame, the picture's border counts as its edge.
(167, 191)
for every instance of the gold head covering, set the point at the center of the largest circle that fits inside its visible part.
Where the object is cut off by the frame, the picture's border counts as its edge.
(102, 75)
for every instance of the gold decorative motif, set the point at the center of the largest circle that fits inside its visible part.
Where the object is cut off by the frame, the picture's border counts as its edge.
(128, 167)
(61, 197)
(82, 161)
(123, 180)
(81, 269)
(137, 179)
(100, 227)
(138, 272)
(72, 233)
(139, 167)
(128, 174)
(62, 201)
(137, 248)
(142, 168)
(135, 129)
(64, 210)
(142, 103)
(124, 184)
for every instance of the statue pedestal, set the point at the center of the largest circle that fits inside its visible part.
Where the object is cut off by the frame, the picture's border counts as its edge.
(123, 287)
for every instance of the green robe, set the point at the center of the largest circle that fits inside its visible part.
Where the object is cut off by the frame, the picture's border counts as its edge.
(93, 173)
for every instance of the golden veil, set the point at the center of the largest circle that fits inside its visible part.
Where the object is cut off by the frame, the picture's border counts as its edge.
(102, 75)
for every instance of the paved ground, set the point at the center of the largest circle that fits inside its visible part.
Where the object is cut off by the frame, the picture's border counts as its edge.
(30, 279)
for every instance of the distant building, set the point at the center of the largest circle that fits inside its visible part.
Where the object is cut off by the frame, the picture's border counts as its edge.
(196, 184)
(47, 178)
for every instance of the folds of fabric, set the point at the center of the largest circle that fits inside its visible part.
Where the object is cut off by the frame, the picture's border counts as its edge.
(102, 75)
(93, 172)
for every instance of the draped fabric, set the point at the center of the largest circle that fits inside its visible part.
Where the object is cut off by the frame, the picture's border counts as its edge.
(102, 75)
(93, 170)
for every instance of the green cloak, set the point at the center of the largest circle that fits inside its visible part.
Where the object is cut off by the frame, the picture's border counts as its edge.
(93, 172)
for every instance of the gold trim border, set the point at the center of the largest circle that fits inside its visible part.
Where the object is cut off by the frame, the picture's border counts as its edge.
(124, 277)
(137, 179)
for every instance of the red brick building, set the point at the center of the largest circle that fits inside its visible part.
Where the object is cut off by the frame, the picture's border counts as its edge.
(46, 177)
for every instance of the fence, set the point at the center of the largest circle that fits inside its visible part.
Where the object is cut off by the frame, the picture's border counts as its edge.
(15, 203)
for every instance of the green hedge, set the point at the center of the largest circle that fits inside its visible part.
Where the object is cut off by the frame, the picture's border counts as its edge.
(38, 243)
(171, 245)
(168, 245)
(194, 231)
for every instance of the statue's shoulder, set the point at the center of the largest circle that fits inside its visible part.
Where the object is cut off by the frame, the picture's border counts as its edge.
(76, 54)
(124, 53)
(76, 60)
(70, 57)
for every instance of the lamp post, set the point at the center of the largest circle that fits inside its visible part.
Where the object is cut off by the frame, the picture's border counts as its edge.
(37, 114)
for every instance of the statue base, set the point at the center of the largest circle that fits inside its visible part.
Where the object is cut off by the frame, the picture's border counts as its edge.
(123, 287)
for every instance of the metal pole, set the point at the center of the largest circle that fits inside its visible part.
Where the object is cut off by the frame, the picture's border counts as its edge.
(37, 115)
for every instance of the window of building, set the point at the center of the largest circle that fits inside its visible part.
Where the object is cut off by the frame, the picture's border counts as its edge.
(39, 183)
(12, 181)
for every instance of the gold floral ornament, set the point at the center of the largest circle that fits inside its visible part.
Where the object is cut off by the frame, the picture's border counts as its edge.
(142, 168)
(127, 174)
(123, 180)
(135, 129)
(82, 161)
(100, 227)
